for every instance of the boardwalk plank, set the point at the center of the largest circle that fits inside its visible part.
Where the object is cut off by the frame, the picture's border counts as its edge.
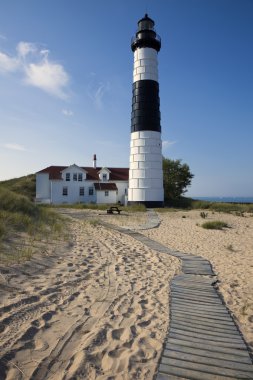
(186, 317)
(207, 334)
(194, 299)
(208, 342)
(196, 314)
(189, 374)
(207, 338)
(218, 308)
(162, 376)
(218, 362)
(208, 347)
(209, 354)
(215, 370)
(209, 330)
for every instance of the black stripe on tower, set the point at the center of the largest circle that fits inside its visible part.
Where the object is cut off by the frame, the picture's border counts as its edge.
(145, 106)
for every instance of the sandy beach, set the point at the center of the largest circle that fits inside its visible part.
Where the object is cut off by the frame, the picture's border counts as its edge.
(97, 306)
(94, 309)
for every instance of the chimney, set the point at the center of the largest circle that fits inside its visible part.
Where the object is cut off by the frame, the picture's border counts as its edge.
(94, 161)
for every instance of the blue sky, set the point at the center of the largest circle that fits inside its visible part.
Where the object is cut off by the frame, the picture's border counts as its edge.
(66, 76)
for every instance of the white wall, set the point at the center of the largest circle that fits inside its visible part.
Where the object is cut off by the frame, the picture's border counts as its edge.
(42, 187)
(102, 198)
(73, 192)
(122, 186)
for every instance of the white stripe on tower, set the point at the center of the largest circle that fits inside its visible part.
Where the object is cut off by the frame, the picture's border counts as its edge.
(145, 173)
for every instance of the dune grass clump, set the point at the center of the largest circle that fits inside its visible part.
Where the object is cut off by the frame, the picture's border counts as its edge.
(135, 208)
(215, 225)
(102, 207)
(23, 224)
(25, 185)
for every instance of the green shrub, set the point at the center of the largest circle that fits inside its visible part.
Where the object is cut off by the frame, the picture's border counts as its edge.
(215, 225)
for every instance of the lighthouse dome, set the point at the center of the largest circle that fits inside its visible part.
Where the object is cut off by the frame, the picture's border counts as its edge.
(146, 35)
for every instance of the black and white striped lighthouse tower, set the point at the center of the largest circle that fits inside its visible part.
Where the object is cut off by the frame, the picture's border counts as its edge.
(145, 172)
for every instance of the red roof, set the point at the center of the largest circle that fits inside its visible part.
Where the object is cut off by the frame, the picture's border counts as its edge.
(105, 186)
(116, 174)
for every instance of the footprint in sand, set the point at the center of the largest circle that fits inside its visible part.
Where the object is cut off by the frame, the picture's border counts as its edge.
(47, 316)
(116, 334)
(144, 323)
(40, 345)
(29, 334)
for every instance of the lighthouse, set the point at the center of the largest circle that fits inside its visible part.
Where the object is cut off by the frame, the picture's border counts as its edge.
(145, 170)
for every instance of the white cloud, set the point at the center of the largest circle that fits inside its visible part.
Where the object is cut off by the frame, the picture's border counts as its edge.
(38, 70)
(97, 91)
(48, 76)
(67, 112)
(2, 37)
(14, 146)
(167, 144)
(8, 64)
(25, 48)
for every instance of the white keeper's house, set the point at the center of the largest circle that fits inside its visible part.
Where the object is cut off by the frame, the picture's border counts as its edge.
(78, 184)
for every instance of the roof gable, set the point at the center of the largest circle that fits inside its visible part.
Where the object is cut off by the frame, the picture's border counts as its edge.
(75, 167)
(92, 174)
(104, 170)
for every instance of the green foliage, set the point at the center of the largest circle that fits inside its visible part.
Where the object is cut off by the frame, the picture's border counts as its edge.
(94, 222)
(93, 206)
(24, 185)
(237, 208)
(135, 208)
(19, 214)
(82, 206)
(176, 178)
(13, 202)
(215, 225)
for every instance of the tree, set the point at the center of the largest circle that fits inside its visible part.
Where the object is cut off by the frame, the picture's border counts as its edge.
(176, 178)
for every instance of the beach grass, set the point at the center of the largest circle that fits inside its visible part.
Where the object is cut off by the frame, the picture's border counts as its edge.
(215, 225)
(102, 207)
(191, 204)
(23, 224)
(25, 185)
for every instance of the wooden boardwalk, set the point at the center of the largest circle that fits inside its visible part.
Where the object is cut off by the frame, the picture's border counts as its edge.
(203, 341)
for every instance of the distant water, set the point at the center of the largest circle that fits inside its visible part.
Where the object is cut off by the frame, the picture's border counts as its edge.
(226, 199)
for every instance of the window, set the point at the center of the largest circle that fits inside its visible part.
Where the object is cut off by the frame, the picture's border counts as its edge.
(80, 177)
(81, 191)
(67, 176)
(91, 191)
(106, 193)
(65, 190)
(75, 177)
(104, 177)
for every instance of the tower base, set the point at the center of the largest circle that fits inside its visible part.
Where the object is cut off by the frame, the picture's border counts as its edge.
(148, 204)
